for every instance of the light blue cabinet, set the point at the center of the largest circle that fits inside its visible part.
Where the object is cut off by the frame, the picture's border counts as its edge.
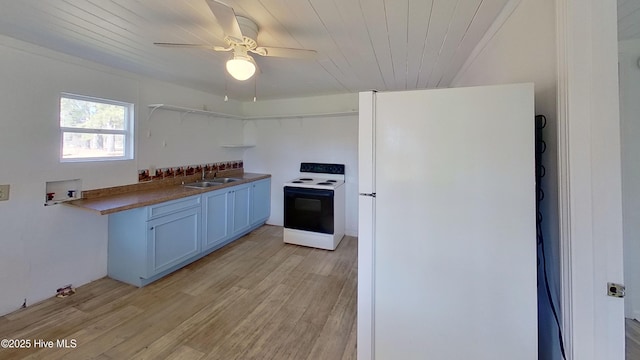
(261, 201)
(216, 218)
(172, 239)
(148, 243)
(241, 209)
(232, 212)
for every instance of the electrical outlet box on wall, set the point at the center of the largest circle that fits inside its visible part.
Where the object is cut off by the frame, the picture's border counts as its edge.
(4, 192)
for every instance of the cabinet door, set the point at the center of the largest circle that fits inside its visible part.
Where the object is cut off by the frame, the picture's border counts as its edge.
(217, 222)
(241, 208)
(172, 239)
(261, 201)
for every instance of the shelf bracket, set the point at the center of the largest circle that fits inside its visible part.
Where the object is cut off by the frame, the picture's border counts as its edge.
(153, 108)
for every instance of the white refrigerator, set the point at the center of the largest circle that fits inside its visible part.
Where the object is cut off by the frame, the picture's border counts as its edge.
(447, 224)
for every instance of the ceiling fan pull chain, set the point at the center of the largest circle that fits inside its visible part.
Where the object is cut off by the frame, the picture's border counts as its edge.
(255, 88)
(226, 81)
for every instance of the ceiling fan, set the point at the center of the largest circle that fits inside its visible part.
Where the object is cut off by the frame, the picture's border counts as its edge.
(240, 35)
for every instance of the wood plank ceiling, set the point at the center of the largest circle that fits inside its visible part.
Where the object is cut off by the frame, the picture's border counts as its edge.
(361, 44)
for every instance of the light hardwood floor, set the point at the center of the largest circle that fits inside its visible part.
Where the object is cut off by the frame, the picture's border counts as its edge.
(632, 339)
(254, 299)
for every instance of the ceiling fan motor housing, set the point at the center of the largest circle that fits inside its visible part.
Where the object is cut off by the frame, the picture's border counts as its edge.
(241, 34)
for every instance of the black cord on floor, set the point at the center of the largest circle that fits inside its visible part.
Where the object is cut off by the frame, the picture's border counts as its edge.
(548, 292)
(541, 147)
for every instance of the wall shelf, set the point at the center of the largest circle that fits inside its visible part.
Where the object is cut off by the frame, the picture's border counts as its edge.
(185, 110)
(300, 116)
(237, 146)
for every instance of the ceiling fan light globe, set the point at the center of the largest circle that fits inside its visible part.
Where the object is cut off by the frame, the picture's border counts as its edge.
(240, 68)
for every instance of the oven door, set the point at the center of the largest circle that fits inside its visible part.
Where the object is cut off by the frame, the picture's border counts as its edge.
(308, 209)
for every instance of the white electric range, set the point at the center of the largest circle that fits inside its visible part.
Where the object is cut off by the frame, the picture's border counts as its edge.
(314, 206)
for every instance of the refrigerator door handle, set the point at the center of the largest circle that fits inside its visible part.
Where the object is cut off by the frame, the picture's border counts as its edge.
(368, 194)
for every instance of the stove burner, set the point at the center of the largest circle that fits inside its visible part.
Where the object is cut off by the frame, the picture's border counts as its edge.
(324, 183)
(305, 179)
(297, 182)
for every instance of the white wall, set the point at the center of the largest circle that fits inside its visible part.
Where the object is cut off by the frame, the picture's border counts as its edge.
(282, 144)
(629, 53)
(524, 50)
(170, 138)
(43, 248)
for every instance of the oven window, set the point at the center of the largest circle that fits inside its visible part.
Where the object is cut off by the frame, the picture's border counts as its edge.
(313, 205)
(308, 209)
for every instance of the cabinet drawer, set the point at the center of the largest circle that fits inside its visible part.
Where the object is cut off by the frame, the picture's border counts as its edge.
(173, 206)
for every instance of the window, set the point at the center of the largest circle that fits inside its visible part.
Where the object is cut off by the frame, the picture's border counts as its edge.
(93, 129)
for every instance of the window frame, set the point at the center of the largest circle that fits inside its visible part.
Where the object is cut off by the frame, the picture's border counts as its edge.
(127, 132)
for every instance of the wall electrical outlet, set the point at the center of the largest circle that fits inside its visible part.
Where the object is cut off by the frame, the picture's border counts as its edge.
(4, 192)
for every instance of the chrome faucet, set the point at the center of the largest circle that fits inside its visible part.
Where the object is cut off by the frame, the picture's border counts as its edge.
(205, 173)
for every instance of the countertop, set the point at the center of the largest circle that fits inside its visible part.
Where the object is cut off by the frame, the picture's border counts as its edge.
(110, 204)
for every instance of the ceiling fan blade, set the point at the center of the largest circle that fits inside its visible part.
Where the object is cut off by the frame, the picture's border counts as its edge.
(285, 52)
(195, 46)
(227, 19)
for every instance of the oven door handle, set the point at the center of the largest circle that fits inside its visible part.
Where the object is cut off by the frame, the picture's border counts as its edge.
(288, 190)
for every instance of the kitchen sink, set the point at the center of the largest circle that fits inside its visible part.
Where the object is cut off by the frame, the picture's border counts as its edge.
(223, 180)
(210, 183)
(202, 184)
